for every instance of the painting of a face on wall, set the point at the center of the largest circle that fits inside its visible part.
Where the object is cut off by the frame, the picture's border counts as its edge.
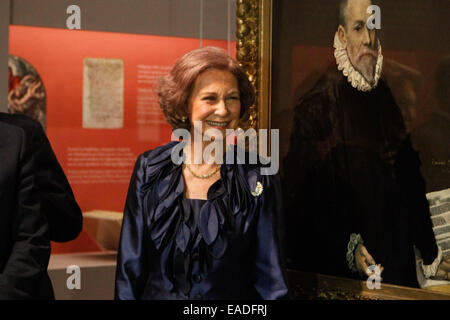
(360, 93)
(26, 91)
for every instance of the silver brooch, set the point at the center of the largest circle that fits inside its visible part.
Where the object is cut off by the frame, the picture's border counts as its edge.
(258, 190)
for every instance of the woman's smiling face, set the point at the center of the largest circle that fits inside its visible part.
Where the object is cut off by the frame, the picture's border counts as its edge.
(215, 101)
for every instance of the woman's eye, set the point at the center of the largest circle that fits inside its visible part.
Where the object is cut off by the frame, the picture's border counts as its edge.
(234, 98)
(209, 98)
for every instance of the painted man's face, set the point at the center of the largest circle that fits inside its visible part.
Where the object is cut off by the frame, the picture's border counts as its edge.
(360, 42)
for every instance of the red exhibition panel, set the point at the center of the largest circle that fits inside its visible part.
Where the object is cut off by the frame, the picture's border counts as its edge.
(98, 156)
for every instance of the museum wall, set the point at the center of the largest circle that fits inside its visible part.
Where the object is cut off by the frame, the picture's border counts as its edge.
(177, 18)
(144, 37)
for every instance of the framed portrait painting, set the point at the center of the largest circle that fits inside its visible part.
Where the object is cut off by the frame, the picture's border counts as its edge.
(359, 93)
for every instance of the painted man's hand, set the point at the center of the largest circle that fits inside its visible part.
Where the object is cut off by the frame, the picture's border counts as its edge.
(363, 260)
(443, 272)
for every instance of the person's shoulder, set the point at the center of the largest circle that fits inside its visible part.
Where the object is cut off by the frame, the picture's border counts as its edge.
(255, 168)
(159, 153)
(244, 156)
(383, 84)
(157, 158)
(154, 164)
(330, 79)
(20, 120)
(10, 133)
(322, 96)
(14, 145)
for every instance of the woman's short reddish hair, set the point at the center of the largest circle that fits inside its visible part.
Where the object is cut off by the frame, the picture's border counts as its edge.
(176, 88)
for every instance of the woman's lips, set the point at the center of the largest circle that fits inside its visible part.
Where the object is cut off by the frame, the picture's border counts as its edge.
(217, 124)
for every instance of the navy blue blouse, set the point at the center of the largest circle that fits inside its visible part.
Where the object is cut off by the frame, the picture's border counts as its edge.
(225, 247)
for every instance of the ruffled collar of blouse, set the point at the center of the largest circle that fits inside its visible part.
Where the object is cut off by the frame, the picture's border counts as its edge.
(171, 220)
(354, 77)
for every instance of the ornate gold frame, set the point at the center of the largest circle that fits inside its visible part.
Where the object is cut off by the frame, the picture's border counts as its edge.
(254, 52)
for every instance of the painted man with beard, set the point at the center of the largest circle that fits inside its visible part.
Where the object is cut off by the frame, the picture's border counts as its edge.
(354, 194)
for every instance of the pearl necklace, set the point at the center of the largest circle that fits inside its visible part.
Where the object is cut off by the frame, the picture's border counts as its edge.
(202, 176)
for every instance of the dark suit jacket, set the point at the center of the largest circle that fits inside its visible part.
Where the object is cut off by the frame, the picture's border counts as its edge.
(24, 238)
(57, 200)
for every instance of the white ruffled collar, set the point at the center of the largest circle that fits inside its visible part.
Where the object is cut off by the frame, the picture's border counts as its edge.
(355, 78)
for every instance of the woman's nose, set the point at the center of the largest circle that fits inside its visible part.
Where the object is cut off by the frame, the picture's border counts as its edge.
(221, 108)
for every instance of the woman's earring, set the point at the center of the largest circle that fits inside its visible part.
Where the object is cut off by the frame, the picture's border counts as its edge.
(183, 119)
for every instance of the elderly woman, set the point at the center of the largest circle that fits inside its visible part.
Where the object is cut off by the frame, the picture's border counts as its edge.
(204, 230)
